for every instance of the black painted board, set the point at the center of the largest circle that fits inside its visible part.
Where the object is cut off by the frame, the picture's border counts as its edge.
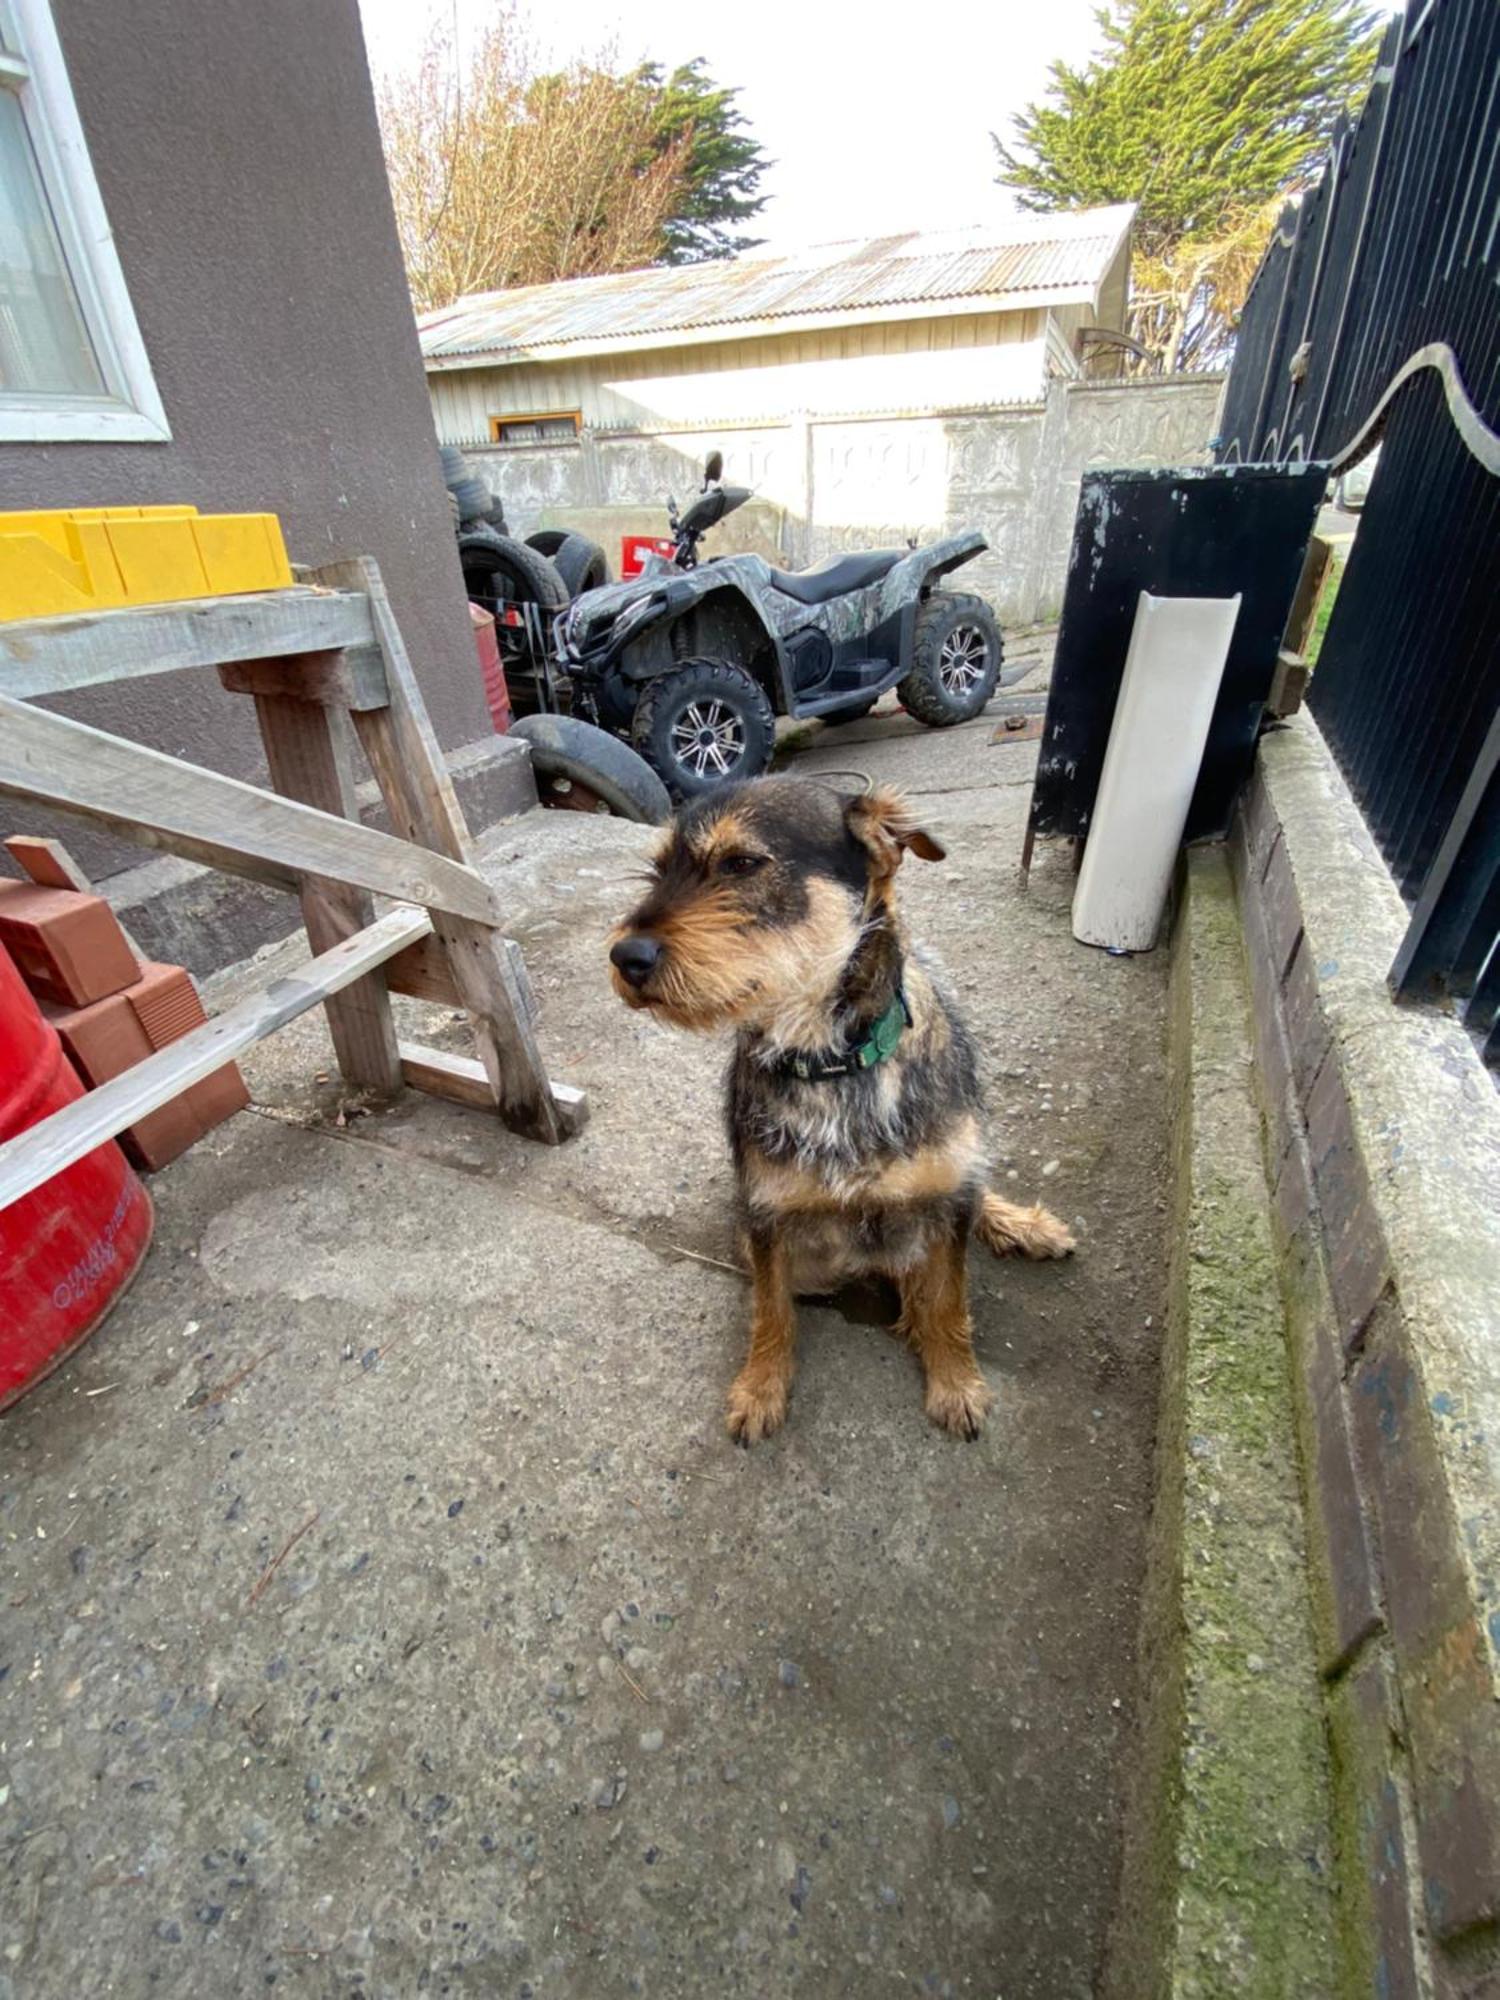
(1193, 532)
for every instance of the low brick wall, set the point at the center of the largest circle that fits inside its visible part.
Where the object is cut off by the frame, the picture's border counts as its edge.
(1382, 1135)
(1226, 1880)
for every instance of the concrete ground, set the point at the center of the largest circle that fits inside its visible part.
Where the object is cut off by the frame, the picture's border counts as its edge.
(383, 1609)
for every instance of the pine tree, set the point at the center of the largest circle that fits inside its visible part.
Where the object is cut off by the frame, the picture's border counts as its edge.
(722, 165)
(1206, 113)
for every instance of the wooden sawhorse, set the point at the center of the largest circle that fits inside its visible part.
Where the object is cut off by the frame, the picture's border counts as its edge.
(325, 664)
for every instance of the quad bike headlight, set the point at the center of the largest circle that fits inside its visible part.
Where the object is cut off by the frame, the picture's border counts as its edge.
(634, 616)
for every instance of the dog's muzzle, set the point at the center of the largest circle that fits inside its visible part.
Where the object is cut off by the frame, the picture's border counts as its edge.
(635, 959)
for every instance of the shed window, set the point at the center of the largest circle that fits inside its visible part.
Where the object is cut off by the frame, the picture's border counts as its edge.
(553, 427)
(72, 364)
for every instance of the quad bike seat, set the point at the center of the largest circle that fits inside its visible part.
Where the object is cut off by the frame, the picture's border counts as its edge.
(834, 575)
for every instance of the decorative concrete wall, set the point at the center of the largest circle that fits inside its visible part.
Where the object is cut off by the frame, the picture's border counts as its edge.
(870, 482)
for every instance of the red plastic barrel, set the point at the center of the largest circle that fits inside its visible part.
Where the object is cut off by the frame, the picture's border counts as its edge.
(491, 671)
(68, 1249)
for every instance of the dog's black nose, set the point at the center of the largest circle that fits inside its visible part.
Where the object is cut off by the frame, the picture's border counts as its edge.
(636, 958)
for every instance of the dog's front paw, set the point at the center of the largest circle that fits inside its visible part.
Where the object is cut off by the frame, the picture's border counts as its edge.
(757, 1406)
(1049, 1237)
(959, 1403)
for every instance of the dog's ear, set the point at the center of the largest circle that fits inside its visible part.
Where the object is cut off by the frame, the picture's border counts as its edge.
(886, 827)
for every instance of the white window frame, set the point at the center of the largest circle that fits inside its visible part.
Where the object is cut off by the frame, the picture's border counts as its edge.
(130, 412)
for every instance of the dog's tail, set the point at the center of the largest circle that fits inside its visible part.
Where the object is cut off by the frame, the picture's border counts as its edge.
(1021, 1232)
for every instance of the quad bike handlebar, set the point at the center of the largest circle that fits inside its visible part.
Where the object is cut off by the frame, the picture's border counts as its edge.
(712, 504)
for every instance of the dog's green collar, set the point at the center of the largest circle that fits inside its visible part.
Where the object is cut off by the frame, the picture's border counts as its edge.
(879, 1043)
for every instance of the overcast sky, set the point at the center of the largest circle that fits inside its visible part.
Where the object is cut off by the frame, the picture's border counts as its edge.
(878, 117)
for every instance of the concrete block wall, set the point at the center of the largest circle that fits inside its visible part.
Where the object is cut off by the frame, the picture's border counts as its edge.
(1382, 1136)
(870, 482)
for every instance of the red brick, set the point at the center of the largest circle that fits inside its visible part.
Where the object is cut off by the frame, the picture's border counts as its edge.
(1435, 1628)
(167, 1005)
(1307, 1032)
(1258, 824)
(1376, 1877)
(1358, 1264)
(1346, 1596)
(68, 948)
(219, 1096)
(102, 1041)
(1282, 907)
(163, 1135)
(1279, 1106)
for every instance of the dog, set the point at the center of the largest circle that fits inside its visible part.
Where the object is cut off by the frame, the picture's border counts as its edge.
(853, 1101)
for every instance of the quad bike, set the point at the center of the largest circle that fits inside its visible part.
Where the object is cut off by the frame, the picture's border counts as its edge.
(544, 572)
(693, 664)
(578, 767)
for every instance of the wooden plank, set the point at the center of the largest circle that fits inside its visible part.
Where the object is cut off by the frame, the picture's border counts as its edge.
(40, 656)
(351, 679)
(408, 765)
(162, 802)
(480, 966)
(1288, 684)
(440, 822)
(35, 1155)
(309, 751)
(1308, 595)
(460, 1079)
(422, 972)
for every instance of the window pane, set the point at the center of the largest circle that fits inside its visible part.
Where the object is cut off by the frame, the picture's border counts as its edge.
(44, 345)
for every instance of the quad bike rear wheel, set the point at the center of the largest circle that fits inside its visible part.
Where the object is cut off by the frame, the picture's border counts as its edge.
(957, 651)
(703, 724)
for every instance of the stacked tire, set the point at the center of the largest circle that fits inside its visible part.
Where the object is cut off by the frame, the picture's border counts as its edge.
(549, 569)
(578, 768)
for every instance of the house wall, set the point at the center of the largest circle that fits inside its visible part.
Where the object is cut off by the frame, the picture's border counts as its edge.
(833, 483)
(934, 364)
(239, 161)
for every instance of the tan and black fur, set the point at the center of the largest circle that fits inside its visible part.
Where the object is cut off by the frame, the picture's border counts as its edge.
(771, 911)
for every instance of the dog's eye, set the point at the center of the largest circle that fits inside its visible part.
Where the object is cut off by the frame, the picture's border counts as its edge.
(742, 864)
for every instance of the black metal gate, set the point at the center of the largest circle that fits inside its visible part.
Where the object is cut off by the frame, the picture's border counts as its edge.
(1376, 315)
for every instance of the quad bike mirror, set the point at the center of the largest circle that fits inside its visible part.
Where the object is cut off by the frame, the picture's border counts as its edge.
(713, 468)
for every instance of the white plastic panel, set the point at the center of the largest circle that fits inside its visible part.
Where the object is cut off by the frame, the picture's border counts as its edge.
(1178, 647)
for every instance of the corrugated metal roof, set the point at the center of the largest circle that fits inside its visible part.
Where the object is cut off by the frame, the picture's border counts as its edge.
(1014, 262)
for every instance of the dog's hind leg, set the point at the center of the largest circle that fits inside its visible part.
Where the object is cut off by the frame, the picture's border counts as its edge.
(758, 1396)
(935, 1319)
(1011, 1231)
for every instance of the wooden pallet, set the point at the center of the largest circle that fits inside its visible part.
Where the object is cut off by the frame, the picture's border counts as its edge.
(325, 665)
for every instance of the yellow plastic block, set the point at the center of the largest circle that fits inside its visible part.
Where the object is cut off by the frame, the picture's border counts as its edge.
(55, 561)
(239, 550)
(158, 559)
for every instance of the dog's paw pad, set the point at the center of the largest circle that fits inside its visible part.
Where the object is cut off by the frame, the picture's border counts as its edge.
(960, 1405)
(756, 1409)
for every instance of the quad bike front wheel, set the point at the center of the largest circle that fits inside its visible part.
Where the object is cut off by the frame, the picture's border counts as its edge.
(579, 768)
(703, 724)
(956, 655)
